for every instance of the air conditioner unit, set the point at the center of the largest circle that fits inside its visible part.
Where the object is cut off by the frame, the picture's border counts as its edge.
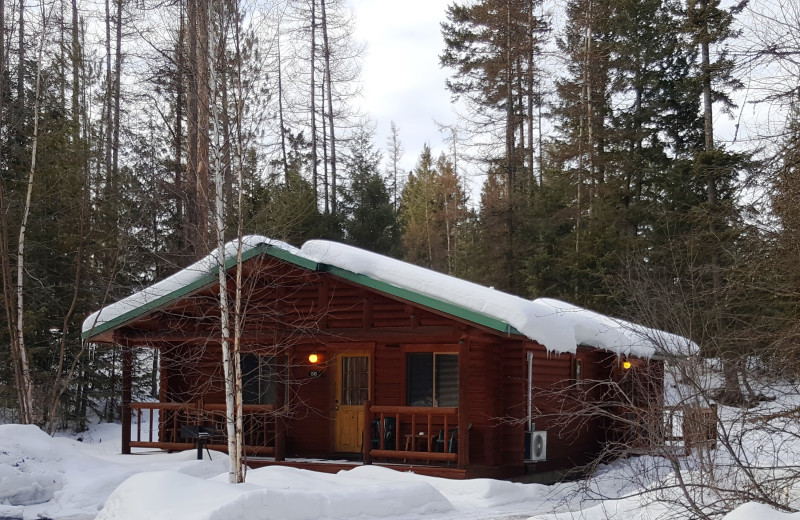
(536, 446)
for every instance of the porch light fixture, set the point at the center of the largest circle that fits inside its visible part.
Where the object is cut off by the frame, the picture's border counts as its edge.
(626, 365)
(313, 358)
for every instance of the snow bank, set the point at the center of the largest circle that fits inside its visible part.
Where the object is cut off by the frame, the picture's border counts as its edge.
(557, 325)
(61, 478)
(45, 477)
(277, 493)
(40, 475)
(752, 510)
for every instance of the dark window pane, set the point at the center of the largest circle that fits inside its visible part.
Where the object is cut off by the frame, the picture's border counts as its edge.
(258, 379)
(355, 380)
(419, 384)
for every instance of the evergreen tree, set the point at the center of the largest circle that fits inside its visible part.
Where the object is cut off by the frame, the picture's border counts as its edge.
(432, 213)
(493, 47)
(370, 220)
(285, 206)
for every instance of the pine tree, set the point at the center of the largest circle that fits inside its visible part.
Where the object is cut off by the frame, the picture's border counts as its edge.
(370, 220)
(432, 213)
(287, 209)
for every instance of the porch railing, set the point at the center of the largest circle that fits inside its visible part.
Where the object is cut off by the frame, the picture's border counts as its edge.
(158, 425)
(670, 426)
(420, 434)
(696, 426)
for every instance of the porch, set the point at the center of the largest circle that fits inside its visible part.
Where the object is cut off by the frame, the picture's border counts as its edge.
(407, 438)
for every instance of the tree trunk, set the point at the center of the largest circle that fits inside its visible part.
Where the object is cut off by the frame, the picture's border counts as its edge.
(177, 143)
(237, 313)
(203, 184)
(329, 88)
(21, 57)
(117, 82)
(192, 208)
(282, 123)
(312, 89)
(229, 356)
(109, 101)
(63, 378)
(5, 255)
(27, 405)
(732, 391)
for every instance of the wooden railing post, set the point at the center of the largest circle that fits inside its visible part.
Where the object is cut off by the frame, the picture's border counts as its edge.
(280, 436)
(127, 383)
(463, 404)
(367, 442)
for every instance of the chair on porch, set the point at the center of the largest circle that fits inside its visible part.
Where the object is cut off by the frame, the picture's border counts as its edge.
(451, 442)
(387, 432)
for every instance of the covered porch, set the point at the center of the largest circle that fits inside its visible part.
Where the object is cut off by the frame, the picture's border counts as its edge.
(425, 440)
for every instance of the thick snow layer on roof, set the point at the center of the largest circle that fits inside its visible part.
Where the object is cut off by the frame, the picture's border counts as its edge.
(178, 281)
(558, 326)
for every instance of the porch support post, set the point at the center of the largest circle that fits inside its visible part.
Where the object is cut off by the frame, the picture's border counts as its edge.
(125, 412)
(463, 403)
(280, 436)
(282, 416)
(367, 442)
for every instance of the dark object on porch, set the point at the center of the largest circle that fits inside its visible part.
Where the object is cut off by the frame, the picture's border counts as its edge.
(202, 435)
(388, 434)
(452, 440)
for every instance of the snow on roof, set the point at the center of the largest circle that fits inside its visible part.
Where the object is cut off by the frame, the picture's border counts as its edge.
(180, 283)
(557, 325)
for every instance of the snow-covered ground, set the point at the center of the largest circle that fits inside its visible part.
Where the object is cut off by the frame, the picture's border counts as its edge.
(70, 477)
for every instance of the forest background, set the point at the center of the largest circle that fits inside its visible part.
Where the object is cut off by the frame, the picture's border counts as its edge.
(591, 125)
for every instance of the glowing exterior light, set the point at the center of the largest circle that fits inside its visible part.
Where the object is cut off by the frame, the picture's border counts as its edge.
(313, 358)
(626, 365)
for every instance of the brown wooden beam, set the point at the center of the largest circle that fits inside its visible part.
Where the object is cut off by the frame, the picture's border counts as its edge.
(429, 334)
(463, 404)
(367, 442)
(280, 438)
(414, 455)
(127, 383)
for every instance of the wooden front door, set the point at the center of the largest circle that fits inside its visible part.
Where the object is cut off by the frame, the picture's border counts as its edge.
(352, 390)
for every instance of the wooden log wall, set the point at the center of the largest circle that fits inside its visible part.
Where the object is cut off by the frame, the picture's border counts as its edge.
(295, 312)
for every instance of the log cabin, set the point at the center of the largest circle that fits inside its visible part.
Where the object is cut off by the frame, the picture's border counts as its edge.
(350, 356)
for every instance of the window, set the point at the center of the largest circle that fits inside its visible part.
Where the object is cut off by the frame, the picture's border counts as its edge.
(432, 379)
(258, 379)
(355, 380)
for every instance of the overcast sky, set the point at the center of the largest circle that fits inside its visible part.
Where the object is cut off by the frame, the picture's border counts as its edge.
(402, 80)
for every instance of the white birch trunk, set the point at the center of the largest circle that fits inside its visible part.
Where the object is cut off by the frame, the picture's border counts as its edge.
(26, 406)
(237, 316)
(233, 419)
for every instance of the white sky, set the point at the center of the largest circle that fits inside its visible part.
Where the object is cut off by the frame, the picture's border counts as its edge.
(402, 80)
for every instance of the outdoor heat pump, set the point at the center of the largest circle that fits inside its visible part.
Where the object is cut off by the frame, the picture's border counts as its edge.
(536, 446)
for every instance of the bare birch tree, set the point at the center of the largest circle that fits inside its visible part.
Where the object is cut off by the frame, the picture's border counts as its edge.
(27, 413)
(231, 369)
